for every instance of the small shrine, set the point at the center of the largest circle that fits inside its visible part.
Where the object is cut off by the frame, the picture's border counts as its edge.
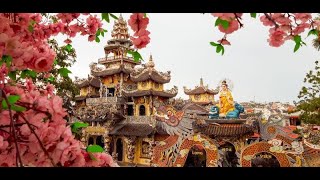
(201, 94)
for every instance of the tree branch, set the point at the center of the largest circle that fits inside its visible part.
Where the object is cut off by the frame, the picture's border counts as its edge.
(272, 20)
(13, 130)
(238, 19)
(41, 144)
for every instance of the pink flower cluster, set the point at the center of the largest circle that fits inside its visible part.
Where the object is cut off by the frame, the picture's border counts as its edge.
(45, 114)
(25, 37)
(231, 18)
(138, 24)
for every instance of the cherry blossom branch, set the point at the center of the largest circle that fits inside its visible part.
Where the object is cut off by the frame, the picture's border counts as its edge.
(13, 130)
(41, 144)
(272, 20)
(238, 19)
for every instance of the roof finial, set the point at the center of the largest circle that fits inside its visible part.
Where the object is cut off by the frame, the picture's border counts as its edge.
(201, 81)
(150, 64)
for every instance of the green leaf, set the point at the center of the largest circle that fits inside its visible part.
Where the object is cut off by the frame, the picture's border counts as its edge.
(297, 38)
(225, 24)
(13, 75)
(28, 73)
(18, 108)
(102, 33)
(97, 39)
(222, 50)
(296, 47)
(218, 49)
(55, 62)
(13, 99)
(145, 15)
(51, 79)
(31, 25)
(105, 30)
(68, 48)
(113, 16)
(105, 16)
(313, 32)
(214, 44)
(23, 74)
(75, 126)
(136, 55)
(254, 15)
(95, 148)
(6, 59)
(98, 32)
(64, 72)
(4, 104)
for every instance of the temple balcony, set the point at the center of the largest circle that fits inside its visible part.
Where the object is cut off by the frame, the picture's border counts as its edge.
(140, 120)
(113, 58)
(105, 100)
(95, 130)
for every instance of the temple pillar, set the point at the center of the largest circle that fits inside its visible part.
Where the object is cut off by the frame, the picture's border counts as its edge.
(131, 142)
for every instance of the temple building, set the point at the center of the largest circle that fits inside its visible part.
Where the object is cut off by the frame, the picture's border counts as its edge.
(135, 119)
(201, 94)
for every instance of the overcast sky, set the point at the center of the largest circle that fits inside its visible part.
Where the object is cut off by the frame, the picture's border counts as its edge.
(180, 43)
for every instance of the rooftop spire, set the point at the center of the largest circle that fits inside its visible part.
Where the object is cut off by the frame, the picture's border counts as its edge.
(150, 63)
(120, 29)
(201, 82)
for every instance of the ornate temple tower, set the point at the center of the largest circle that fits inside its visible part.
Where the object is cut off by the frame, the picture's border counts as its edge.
(201, 94)
(89, 88)
(149, 91)
(116, 65)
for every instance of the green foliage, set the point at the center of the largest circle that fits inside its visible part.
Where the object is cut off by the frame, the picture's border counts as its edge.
(6, 59)
(64, 72)
(105, 16)
(298, 41)
(12, 99)
(313, 32)
(219, 47)
(136, 55)
(77, 125)
(254, 15)
(224, 23)
(31, 25)
(309, 97)
(28, 73)
(94, 148)
(13, 75)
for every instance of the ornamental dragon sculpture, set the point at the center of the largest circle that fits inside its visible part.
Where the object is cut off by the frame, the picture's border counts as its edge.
(214, 112)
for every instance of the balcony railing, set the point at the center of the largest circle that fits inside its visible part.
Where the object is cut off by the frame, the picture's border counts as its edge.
(95, 130)
(105, 100)
(140, 120)
(112, 58)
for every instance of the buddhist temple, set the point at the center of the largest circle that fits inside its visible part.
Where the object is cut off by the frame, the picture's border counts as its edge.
(201, 94)
(133, 117)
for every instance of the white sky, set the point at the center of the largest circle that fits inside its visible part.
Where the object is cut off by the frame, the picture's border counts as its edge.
(180, 43)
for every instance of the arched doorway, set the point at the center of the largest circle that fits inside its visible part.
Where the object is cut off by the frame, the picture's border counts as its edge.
(90, 141)
(111, 147)
(119, 150)
(230, 158)
(100, 141)
(130, 110)
(142, 110)
(264, 159)
(196, 157)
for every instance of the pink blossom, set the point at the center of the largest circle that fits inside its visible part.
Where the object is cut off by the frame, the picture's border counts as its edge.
(91, 38)
(276, 37)
(266, 21)
(303, 17)
(233, 26)
(137, 21)
(68, 41)
(224, 42)
(300, 28)
(142, 40)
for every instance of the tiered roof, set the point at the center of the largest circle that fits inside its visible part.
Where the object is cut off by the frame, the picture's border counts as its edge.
(201, 89)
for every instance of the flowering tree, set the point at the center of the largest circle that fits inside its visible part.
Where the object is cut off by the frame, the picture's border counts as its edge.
(33, 130)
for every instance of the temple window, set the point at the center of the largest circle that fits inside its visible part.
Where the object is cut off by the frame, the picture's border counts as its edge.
(110, 92)
(142, 110)
(130, 110)
(145, 150)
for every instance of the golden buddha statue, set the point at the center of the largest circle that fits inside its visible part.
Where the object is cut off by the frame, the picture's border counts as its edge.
(226, 103)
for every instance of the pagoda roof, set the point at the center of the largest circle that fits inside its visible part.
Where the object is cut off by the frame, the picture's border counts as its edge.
(132, 130)
(99, 72)
(201, 89)
(90, 81)
(148, 72)
(228, 130)
(137, 93)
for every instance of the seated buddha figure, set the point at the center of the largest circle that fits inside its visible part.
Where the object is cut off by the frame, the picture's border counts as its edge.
(226, 103)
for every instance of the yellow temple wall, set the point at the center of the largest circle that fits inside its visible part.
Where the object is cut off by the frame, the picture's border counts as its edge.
(137, 158)
(111, 80)
(203, 98)
(147, 85)
(84, 91)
